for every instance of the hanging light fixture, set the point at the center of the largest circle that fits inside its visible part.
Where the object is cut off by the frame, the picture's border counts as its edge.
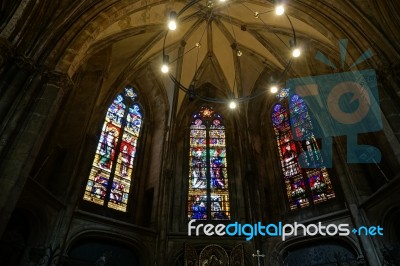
(172, 20)
(165, 65)
(296, 52)
(207, 11)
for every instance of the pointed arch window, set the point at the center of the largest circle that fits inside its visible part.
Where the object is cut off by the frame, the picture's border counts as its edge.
(304, 186)
(112, 172)
(208, 196)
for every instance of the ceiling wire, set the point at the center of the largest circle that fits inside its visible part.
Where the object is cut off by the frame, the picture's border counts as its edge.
(265, 24)
(237, 51)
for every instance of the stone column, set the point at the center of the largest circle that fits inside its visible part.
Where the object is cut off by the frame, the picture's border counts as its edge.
(12, 83)
(16, 100)
(28, 138)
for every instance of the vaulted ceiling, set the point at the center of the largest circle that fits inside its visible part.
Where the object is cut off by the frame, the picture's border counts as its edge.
(204, 48)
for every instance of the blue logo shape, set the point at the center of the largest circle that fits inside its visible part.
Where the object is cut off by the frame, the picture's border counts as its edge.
(341, 104)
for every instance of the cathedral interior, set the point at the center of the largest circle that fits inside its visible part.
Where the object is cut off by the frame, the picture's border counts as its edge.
(265, 112)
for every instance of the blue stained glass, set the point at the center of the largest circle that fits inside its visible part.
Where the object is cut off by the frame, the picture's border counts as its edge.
(199, 207)
(129, 92)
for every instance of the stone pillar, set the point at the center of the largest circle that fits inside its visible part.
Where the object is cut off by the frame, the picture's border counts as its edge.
(20, 106)
(28, 138)
(13, 82)
(371, 253)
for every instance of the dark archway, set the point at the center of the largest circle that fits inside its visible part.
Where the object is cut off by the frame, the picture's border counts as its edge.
(101, 252)
(320, 253)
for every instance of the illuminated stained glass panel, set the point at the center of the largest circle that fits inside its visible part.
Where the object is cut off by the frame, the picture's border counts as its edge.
(112, 170)
(303, 185)
(208, 197)
(288, 153)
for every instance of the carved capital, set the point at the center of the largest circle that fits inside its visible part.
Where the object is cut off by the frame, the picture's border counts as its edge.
(25, 63)
(58, 79)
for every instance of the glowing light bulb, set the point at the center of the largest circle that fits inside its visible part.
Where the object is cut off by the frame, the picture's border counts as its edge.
(274, 89)
(296, 52)
(279, 10)
(172, 25)
(164, 68)
(172, 20)
(232, 105)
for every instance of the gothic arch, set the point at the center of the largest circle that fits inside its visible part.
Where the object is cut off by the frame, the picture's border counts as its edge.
(390, 222)
(135, 245)
(347, 245)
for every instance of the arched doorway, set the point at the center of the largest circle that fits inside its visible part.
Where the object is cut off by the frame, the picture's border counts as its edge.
(101, 252)
(320, 253)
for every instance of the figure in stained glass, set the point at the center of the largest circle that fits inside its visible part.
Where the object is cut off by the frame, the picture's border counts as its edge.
(199, 169)
(117, 191)
(125, 159)
(199, 208)
(100, 185)
(288, 155)
(217, 210)
(217, 176)
(134, 119)
(117, 109)
(108, 140)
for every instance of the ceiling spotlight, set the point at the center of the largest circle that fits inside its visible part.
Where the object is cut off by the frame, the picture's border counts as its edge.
(232, 104)
(239, 53)
(172, 20)
(296, 52)
(274, 89)
(165, 66)
(222, 1)
(279, 10)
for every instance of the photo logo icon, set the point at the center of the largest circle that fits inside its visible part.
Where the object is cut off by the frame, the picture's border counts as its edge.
(341, 104)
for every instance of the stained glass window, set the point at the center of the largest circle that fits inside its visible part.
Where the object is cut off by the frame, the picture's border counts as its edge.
(113, 170)
(304, 186)
(208, 197)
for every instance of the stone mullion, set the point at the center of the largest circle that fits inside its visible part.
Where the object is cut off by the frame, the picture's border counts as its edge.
(16, 166)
